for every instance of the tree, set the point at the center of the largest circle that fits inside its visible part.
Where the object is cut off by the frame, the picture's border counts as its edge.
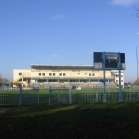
(137, 12)
(0, 80)
(136, 82)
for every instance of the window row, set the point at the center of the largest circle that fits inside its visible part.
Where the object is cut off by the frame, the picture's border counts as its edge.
(52, 74)
(93, 74)
(118, 75)
(60, 74)
(118, 80)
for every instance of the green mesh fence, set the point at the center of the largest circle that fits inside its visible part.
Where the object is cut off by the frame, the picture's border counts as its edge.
(9, 96)
(56, 96)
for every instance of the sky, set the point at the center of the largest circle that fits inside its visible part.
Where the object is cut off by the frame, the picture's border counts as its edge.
(63, 32)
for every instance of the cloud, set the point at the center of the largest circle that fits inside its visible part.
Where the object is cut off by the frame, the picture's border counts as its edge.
(123, 2)
(54, 55)
(58, 16)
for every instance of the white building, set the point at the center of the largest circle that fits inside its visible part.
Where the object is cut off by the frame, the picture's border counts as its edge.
(65, 76)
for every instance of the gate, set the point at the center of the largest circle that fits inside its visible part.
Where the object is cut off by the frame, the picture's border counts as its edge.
(29, 96)
(59, 96)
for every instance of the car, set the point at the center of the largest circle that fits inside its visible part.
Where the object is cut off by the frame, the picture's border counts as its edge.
(76, 87)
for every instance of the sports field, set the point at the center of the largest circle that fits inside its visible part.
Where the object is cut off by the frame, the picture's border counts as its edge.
(60, 90)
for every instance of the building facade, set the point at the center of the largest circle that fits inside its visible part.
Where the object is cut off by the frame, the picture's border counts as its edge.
(65, 76)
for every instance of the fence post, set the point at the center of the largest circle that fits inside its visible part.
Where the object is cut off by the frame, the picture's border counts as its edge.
(20, 95)
(96, 94)
(138, 97)
(38, 95)
(49, 96)
(70, 97)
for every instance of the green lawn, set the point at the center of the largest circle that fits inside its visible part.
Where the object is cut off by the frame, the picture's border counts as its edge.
(46, 91)
(78, 121)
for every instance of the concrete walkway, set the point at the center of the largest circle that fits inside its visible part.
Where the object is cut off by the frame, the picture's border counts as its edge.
(4, 110)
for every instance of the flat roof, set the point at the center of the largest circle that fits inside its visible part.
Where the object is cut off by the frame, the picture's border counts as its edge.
(42, 66)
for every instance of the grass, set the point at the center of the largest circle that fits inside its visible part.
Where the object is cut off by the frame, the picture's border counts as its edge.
(89, 90)
(98, 120)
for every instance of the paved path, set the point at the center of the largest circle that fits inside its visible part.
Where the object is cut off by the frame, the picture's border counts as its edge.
(4, 110)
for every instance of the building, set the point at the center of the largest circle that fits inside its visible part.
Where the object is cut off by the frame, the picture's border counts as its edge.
(65, 76)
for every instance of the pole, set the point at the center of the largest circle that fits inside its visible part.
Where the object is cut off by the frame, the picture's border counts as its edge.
(20, 95)
(96, 94)
(70, 97)
(137, 64)
(38, 95)
(49, 96)
(120, 88)
(104, 94)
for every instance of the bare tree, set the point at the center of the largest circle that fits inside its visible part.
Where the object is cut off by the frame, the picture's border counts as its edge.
(0, 80)
(136, 82)
(137, 12)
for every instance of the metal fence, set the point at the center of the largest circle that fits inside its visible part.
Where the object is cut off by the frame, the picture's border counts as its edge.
(54, 96)
(9, 96)
(91, 95)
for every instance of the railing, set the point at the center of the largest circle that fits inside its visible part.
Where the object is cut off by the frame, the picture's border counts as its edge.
(69, 77)
(20, 77)
(57, 95)
(9, 96)
(14, 81)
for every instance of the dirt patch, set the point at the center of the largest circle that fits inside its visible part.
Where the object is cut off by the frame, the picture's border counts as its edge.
(4, 110)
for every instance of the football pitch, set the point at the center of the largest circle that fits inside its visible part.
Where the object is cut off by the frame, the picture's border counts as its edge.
(61, 90)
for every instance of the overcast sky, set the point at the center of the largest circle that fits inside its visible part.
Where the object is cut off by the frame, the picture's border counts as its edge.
(66, 32)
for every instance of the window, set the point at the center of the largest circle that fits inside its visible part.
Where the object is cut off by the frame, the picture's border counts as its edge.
(117, 75)
(53, 74)
(50, 74)
(43, 74)
(64, 74)
(20, 73)
(89, 74)
(60, 74)
(93, 74)
(39, 74)
(82, 80)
